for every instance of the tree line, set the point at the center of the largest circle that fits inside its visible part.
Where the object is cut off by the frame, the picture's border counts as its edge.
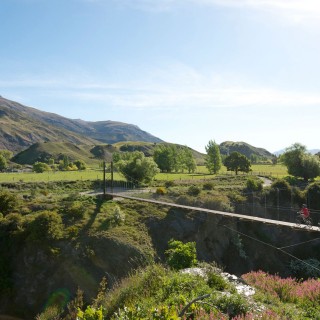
(135, 166)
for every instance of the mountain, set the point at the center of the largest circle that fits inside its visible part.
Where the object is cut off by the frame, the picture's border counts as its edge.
(244, 148)
(22, 126)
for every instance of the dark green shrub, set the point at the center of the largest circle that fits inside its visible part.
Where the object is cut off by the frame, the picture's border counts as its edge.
(193, 190)
(253, 184)
(218, 202)
(216, 281)
(233, 305)
(208, 186)
(313, 195)
(12, 222)
(46, 226)
(280, 190)
(75, 209)
(184, 200)
(40, 167)
(300, 270)
(181, 255)
(8, 202)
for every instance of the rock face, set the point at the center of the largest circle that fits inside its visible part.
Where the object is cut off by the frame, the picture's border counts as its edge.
(236, 253)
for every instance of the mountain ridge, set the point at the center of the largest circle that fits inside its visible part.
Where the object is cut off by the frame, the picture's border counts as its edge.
(22, 126)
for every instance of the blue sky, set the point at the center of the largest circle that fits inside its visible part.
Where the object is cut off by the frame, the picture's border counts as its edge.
(187, 71)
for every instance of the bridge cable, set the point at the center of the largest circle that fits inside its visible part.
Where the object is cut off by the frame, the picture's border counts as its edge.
(298, 244)
(274, 247)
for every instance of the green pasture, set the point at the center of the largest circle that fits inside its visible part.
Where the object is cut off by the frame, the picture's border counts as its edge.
(275, 171)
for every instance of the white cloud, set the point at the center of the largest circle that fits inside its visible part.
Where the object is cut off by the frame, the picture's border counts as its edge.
(296, 11)
(171, 87)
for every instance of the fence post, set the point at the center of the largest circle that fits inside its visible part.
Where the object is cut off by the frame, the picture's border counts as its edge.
(278, 196)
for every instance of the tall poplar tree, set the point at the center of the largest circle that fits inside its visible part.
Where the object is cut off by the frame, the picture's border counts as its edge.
(213, 158)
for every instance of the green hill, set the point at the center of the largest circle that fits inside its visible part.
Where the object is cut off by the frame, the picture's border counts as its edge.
(90, 154)
(148, 148)
(246, 149)
(43, 151)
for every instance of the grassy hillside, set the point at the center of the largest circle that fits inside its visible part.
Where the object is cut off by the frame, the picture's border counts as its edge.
(91, 154)
(244, 148)
(18, 130)
(46, 150)
(148, 148)
(22, 126)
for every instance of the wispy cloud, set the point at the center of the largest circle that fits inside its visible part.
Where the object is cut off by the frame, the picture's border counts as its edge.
(179, 88)
(294, 10)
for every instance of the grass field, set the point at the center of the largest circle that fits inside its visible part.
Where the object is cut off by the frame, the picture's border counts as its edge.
(277, 171)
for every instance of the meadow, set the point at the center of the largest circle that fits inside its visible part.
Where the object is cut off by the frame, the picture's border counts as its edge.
(274, 171)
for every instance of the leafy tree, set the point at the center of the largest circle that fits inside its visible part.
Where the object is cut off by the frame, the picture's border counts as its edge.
(7, 154)
(136, 167)
(310, 167)
(172, 158)
(8, 202)
(300, 163)
(253, 158)
(81, 165)
(188, 160)
(313, 195)
(3, 163)
(237, 162)
(292, 158)
(213, 158)
(181, 255)
(40, 167)
(164, 157)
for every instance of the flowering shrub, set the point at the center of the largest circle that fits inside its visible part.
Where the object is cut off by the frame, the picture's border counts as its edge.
(287, 290)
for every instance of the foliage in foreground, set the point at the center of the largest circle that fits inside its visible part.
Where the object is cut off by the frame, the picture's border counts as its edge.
(159, 293)
(304, 294)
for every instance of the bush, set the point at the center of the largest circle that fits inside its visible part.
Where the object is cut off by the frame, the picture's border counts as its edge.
(302, 271)
(161, 191)
(76, 209)
(8, 202)
(181, 255)
(253, 184)
(233, 305)
(118, 217)
(46, 226)
(194, 190)
(218, 202)
(208, 186)
(12, 222)
(40, 167)
(313, 195)
(280, 189)
(216, 281)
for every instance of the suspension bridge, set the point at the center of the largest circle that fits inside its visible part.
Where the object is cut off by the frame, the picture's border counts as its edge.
(221, 213)
(124, 190)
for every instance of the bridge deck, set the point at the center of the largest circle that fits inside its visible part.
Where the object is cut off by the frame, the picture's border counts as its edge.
(226, 214)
